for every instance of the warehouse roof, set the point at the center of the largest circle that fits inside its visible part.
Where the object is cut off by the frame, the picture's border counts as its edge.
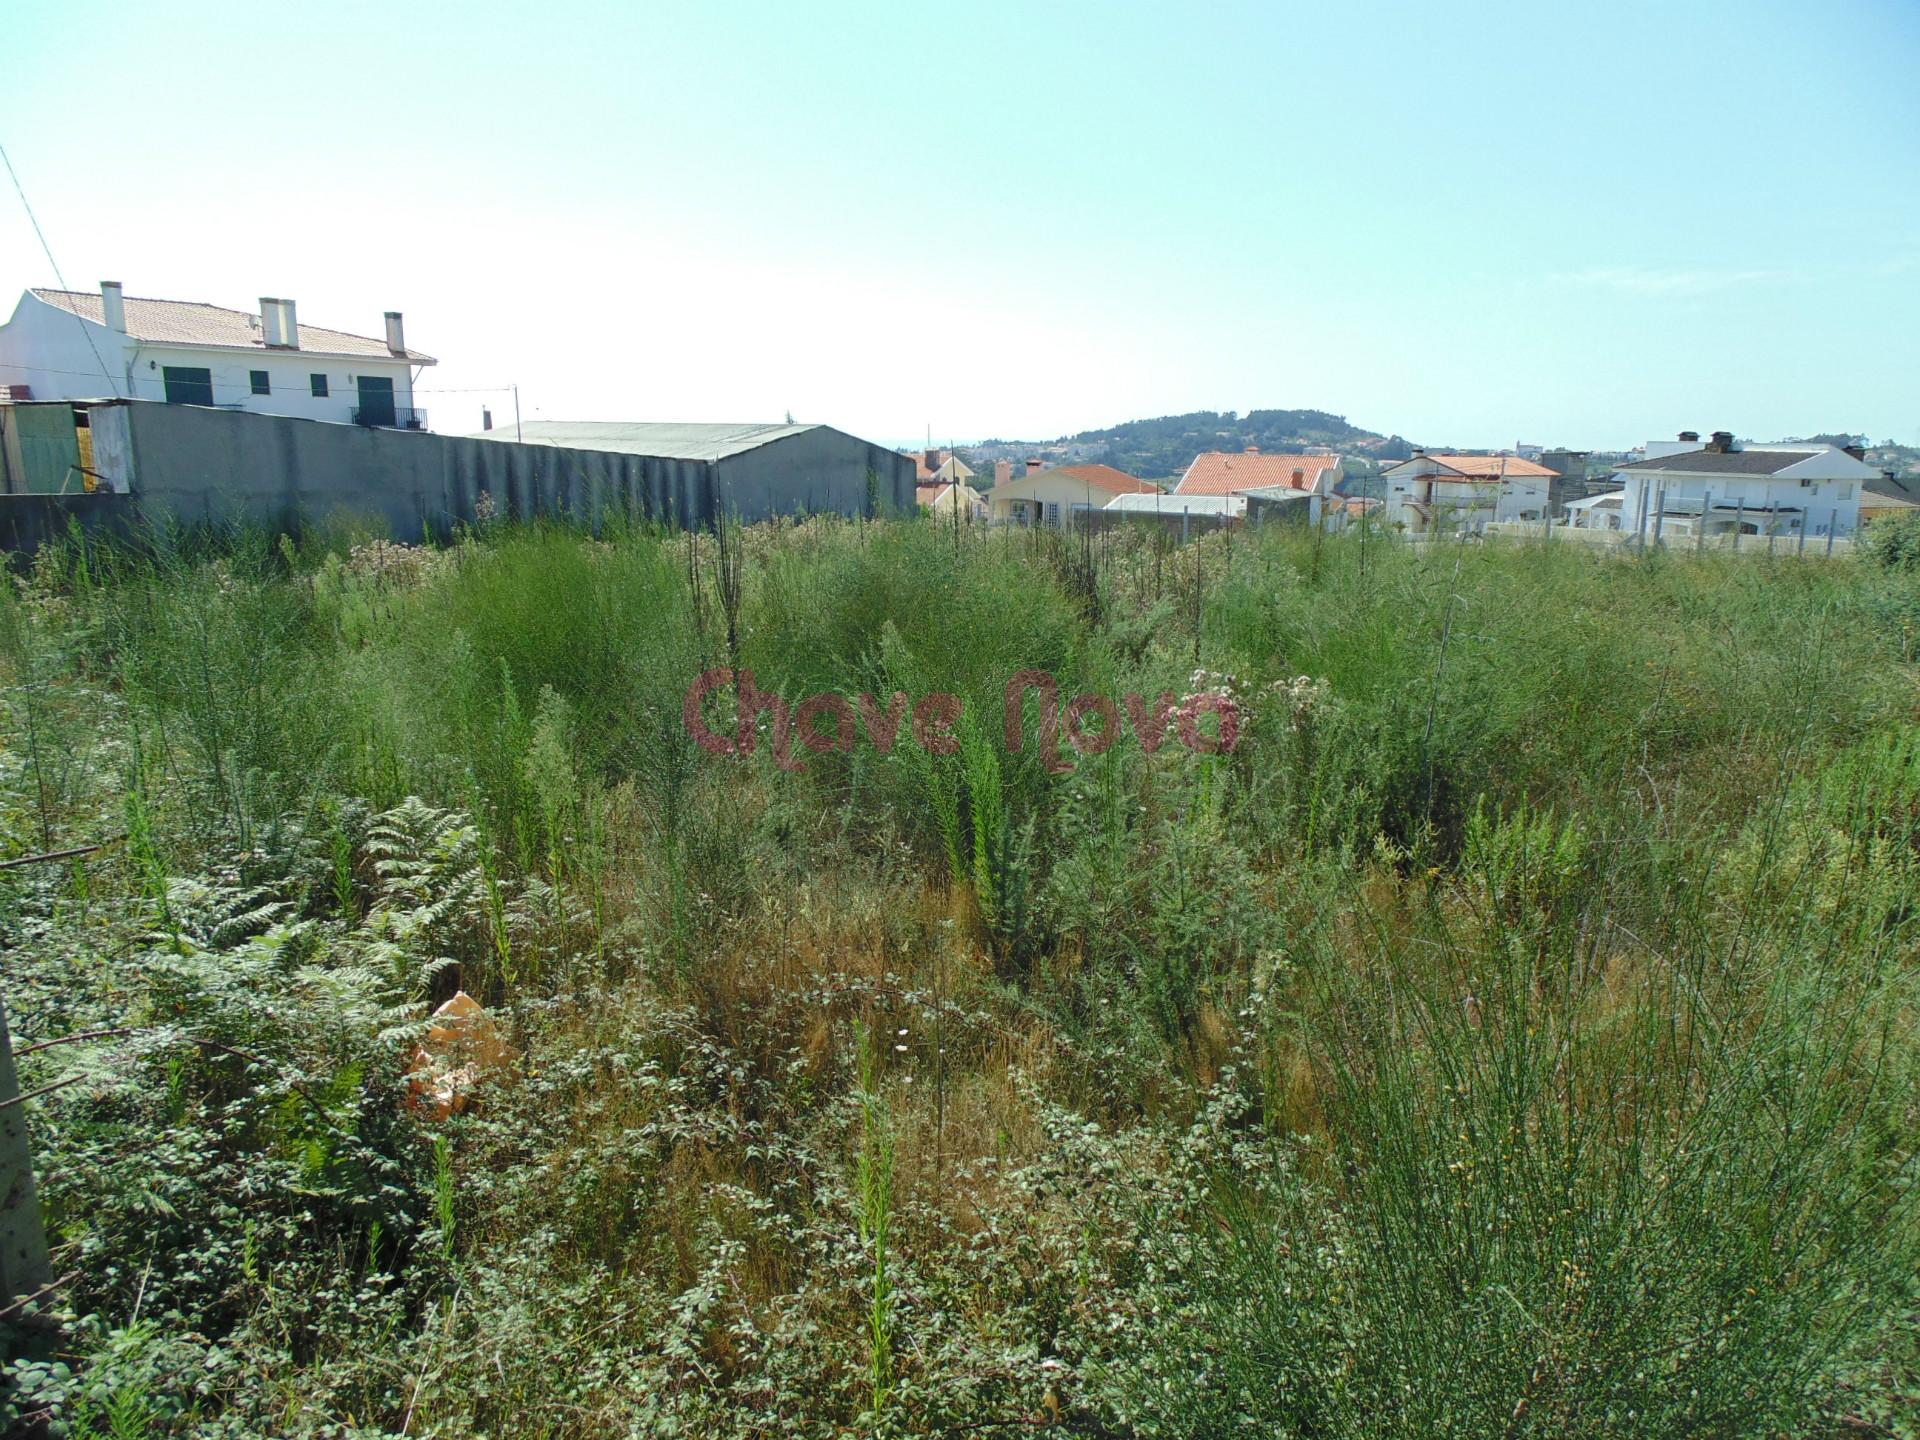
(191, 322)
(664, 440)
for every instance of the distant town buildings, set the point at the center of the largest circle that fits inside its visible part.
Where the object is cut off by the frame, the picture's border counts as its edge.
(95, 345)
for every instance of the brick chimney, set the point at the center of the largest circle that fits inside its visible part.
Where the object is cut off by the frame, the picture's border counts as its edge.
(1721, 443)
(1035, 464)
(1859, 452)
(935, 458)
(396, 334)
(1690, 437)
(1002, 473)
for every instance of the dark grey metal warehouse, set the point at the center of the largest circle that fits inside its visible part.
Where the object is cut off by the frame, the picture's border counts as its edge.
(751, 470)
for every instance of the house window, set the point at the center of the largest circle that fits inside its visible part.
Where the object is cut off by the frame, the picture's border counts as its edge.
(258, 380)
(188, 385)
(319, 386)
(1053, 512)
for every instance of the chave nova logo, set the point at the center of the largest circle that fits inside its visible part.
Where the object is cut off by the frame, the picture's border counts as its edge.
(828, 722)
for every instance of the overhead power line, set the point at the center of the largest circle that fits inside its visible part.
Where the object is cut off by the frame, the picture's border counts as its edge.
(47, 250)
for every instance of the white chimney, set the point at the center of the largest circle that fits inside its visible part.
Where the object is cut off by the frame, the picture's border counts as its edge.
(396, 336)
(278, 329)
(113, 309)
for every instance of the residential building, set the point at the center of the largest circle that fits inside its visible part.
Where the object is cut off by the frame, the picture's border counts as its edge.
(90, 345)
(1889, 495)
(1723, 486)
(1594, 512)
(1443, 493)
(1225, 472)
(1053, 497)
(952, 499)
(939, 467)
(1571, 468)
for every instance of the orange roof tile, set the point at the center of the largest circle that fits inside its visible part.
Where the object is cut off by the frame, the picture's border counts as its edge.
(1222, 472)
(1102, 477)
(1510, 466)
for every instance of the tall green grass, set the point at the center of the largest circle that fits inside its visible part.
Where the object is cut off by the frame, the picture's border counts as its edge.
(1511, 1036)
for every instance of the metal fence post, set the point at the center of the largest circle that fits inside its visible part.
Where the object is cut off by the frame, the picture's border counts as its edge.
(23, 1238)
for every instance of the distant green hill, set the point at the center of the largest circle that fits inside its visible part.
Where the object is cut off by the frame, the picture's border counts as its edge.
(1162, 447)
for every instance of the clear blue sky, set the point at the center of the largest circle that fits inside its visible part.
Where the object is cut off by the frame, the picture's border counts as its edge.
(1471, 223)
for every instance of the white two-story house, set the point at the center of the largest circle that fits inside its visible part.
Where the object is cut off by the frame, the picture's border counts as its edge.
(1442, 494)
(89, 345)
(1687, 489)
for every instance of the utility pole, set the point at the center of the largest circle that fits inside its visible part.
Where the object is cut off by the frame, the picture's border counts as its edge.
(23, 1239)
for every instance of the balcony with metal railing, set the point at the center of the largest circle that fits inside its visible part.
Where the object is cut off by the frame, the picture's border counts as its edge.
(390, 417)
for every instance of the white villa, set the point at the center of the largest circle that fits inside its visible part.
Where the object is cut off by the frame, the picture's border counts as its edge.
(1445, 493)
(91, 345)
(1684, 489)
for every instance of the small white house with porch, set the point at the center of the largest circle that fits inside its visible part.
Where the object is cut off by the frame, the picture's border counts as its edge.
(94, 345)
(1687, 489)
(1052, 498)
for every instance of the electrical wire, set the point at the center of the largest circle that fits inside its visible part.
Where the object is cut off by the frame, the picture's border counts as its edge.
(47, 250)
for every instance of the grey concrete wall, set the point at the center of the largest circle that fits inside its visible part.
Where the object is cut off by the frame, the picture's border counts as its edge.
(191, 465)
(28, 521)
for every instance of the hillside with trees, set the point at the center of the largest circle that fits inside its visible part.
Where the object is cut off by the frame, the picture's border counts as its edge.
(1158, 448)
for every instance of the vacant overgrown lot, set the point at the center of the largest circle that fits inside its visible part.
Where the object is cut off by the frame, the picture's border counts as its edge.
(1511, 1035)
